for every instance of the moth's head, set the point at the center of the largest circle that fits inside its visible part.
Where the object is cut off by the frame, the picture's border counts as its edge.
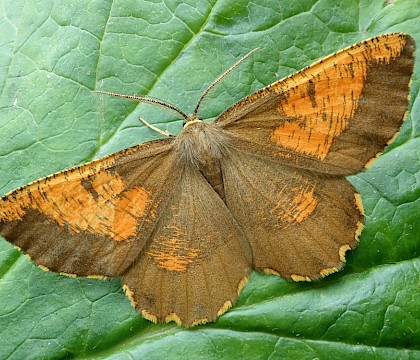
(191, 119)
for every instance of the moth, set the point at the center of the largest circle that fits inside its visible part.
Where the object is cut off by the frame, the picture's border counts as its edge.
(184, 220)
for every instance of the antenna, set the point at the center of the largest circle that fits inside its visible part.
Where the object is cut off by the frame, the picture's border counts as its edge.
(151, 100)
(220, 78)
(146, 99)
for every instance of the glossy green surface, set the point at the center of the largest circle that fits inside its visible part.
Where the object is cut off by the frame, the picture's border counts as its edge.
(54, 54)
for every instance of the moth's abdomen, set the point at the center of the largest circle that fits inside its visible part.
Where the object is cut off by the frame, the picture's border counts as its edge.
(202, 145)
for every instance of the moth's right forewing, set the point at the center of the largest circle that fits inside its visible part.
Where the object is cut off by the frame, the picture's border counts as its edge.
(93, 219)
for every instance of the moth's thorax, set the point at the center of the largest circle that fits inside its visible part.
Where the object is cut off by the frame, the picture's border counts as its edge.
(199, 141)
(202, 145)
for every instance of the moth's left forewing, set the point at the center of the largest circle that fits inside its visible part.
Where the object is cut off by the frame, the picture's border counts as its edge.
(92, 219)
(333, 116)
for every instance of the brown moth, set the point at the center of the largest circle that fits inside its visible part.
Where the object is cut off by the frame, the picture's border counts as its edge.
(185, 219)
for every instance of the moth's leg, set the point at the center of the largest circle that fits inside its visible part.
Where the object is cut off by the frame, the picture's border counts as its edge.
(163, 132)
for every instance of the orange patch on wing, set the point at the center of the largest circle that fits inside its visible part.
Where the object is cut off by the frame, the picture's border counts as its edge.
(322, 110)
(76, 202)
(302, 205)
(128, 208)
(173, 253)
(298, 204)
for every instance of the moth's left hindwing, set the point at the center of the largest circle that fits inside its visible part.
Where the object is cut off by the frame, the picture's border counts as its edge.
(92, 219)
(299, 223)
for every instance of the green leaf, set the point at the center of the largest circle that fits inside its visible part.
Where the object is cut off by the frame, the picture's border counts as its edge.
(55, 53)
